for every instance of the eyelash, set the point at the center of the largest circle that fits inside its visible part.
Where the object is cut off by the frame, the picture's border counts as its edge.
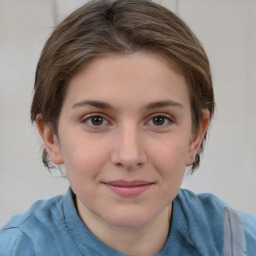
(166, 118)
(89, 118)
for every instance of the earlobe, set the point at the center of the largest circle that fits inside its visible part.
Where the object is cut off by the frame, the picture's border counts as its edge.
(197, 138)
(50, 140)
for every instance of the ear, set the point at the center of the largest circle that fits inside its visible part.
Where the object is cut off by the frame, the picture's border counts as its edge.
(196, 138)
(50, 140)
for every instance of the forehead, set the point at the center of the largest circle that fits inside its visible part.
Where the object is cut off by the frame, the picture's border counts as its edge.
(128, 79)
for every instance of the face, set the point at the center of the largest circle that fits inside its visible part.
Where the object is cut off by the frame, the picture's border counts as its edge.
(125, 137)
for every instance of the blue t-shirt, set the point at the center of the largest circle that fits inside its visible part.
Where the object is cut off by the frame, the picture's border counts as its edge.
(53, 227)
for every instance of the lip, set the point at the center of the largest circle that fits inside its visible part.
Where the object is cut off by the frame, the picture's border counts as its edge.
(128, 188)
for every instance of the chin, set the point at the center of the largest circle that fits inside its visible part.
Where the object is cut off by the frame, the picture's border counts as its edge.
(129, 219)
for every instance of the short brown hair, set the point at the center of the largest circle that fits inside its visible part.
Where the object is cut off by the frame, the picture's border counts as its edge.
(122, 26)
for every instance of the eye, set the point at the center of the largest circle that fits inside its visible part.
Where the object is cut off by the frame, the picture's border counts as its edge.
(160, 121)
(95, 121)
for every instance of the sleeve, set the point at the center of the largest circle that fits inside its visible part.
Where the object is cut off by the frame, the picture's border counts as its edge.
(249, 226)
(13, 242)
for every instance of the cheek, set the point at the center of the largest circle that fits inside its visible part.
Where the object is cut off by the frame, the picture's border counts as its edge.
(170, 152)
(168, 159)
(83, 158)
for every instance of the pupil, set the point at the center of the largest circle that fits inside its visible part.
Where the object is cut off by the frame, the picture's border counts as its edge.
(97, 120)
(158, 120)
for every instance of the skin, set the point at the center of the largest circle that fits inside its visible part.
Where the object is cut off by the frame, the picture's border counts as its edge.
(126, 118)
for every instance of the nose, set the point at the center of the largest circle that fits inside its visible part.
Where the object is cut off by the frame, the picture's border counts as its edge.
(128, 148)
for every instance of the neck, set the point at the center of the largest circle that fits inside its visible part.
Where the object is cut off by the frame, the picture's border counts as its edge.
(145, 240)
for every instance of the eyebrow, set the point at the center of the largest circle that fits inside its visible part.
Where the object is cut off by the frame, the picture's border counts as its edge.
(165, 103)
(93, 103)
(107, 106)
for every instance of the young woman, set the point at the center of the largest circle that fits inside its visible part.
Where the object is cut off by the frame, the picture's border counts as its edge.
(123, 99)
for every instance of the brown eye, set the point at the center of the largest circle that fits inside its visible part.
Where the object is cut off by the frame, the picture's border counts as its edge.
(159, 120)
(97, 120)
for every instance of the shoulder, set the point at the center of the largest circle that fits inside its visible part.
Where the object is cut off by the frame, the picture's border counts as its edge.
(34, 227)
(199, 220)
(42, 211)
(249, 226)
(204, 202)
(208, 211)
(13, 241)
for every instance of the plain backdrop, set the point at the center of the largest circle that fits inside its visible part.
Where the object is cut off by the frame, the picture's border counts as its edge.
(226, 28)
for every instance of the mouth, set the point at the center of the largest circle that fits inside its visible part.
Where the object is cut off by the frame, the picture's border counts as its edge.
(128, 188)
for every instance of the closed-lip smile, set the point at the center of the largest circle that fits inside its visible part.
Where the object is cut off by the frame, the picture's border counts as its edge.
(128, 188)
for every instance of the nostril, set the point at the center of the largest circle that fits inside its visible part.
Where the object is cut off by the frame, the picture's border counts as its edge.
(128, 165)
(119, 165)
(128, 151)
